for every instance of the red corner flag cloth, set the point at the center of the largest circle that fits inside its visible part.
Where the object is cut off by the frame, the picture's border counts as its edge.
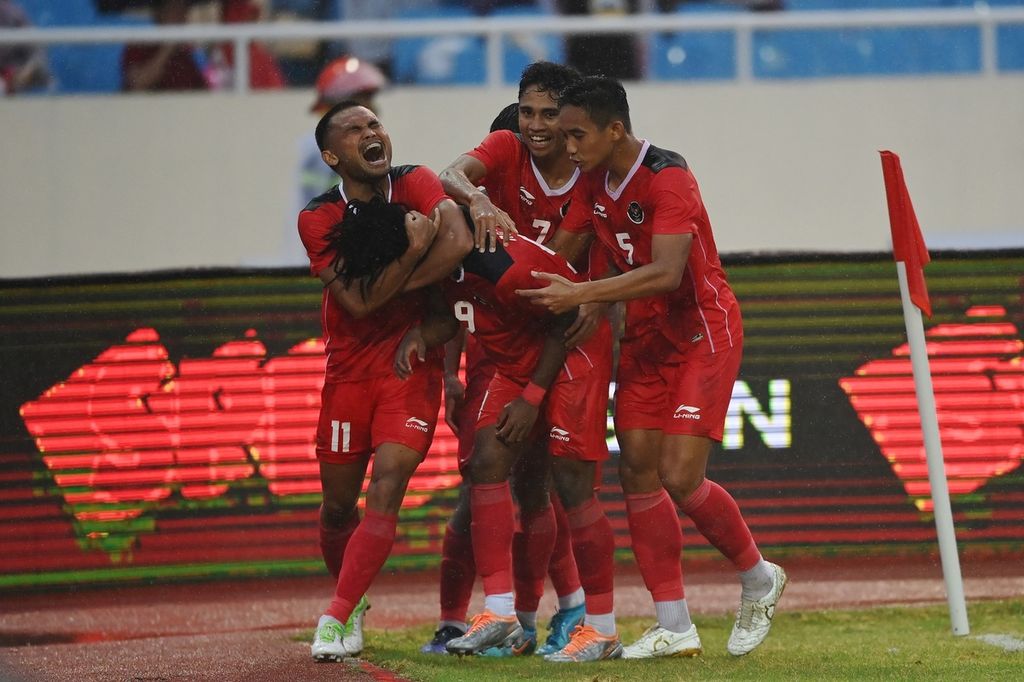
(907, 243)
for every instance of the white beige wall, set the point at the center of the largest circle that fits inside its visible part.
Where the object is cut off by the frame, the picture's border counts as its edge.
(115, 184)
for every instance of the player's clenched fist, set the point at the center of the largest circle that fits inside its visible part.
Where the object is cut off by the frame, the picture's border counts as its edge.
(421, 230)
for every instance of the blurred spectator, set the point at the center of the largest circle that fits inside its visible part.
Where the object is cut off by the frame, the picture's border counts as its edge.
(264, 72)
(22, 67)
(608, 54)
(162, 66)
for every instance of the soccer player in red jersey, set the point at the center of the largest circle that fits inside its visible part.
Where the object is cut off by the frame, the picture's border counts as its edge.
(535, 375)
(364, 408)
(528, 171)
(679, 358)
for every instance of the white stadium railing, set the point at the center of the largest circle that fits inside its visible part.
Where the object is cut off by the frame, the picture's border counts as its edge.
(494, 29)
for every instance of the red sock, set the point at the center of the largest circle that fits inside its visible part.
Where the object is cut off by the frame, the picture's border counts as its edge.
(657, 543)
(562, 568)
(593, 543)
(366, 553)
(492, 528)
(334, 540)
(718, 518)
(531, 553)
(458, 571)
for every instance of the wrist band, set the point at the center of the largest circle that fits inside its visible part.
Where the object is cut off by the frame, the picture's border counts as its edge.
(534, 394)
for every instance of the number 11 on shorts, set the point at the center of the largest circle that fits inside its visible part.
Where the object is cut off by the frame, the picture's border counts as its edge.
(342, 428)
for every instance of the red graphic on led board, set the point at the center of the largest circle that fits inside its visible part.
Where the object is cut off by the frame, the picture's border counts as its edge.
(978, 379)
(130, 432)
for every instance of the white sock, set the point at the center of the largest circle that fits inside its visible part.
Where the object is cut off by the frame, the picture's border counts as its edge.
(757, 581)
(528, 619)
(457, 624)
(571, 600)
(500, 604)
(603, 623)
(674, 616)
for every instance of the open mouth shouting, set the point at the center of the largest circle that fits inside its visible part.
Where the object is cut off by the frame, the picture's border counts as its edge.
(375, 155)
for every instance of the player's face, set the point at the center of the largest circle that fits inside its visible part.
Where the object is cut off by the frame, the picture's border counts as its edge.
(358, 144)
(589, 146)
(538, 123)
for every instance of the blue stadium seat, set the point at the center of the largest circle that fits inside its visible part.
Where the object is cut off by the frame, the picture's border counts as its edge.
(440, 60)
(521, 50)
(817, 53)
(1010, 39)
(695, 55)
(82, 68)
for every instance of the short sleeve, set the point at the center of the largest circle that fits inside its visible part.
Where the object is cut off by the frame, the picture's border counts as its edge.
(314, 227)
(496, 149)
(676, 202)
(421, 190)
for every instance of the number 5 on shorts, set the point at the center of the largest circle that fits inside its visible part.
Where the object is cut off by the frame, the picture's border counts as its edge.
(345, 429)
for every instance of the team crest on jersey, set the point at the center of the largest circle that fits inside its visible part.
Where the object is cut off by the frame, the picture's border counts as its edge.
(565, 208)
(600, 210)
(526, 196)
(635, 213)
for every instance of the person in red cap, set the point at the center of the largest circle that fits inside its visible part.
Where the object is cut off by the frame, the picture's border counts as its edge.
(348, 78)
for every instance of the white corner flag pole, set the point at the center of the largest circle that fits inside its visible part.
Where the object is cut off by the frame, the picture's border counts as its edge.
(933, 452)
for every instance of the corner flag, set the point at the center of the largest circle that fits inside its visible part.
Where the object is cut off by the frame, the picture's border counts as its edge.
(907, 242)
(911, 256)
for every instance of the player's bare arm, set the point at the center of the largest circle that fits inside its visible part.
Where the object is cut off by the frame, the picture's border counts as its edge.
(454, 389)
(669, 253)
(450, 245)
(360, 300)
(461, 182)
(437, 328)
(518, 417)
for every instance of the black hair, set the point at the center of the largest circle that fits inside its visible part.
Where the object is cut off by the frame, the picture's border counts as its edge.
(604, 100)
(324, 124)
(548, 77)
(507, 119)
(369, 238)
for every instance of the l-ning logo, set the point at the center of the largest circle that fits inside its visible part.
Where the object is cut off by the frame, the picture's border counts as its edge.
(418, 424)
(687, 412)
(600, 210)
(526, 196)
(559, 434)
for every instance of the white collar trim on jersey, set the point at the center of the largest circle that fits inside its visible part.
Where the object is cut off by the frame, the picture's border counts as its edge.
(564, 189)
(341, 190)
(629, 176)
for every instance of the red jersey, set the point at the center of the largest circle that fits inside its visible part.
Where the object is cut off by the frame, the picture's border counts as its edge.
(511, 331)
(514, 185)
(659, 195)
(364, 348)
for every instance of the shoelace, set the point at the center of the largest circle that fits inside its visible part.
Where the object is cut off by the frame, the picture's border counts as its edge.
(580, 639)
(481, 620)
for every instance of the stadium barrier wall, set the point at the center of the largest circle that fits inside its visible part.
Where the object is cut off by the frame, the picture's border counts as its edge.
(141, 183)
(160, 426)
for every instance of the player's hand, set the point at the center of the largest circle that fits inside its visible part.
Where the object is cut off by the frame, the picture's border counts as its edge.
(558, 297)
(585, 324)
(454, 398)
(516, 421)
(411, 343)
(490, 223)
(421, 230)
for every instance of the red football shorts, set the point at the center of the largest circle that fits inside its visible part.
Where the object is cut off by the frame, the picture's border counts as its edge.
(356, 417)
(689, 398)
(574, 413)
